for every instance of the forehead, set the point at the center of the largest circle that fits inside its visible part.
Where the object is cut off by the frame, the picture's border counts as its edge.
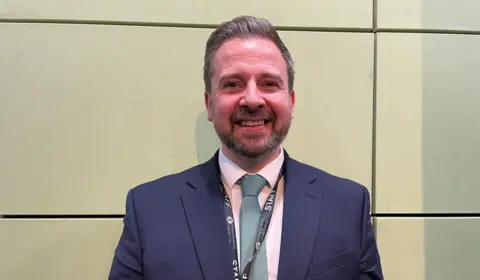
(249, 54)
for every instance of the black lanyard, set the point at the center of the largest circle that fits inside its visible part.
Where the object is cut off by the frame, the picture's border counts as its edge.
(264, 224)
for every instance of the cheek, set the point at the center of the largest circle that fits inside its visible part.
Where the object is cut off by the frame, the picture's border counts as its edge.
(283, 117)
(222, 111)
(281, 109)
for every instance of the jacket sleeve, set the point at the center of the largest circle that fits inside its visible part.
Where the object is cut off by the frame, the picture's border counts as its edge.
(370, 264)
(127, 259)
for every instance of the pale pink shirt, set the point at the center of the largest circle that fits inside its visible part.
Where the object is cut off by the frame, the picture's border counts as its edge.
(230, 175)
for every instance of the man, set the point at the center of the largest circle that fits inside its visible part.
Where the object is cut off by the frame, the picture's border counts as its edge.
(251, 211)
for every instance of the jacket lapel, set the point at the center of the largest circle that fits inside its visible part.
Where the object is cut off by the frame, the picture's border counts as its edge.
(301, 217)
(203, 207)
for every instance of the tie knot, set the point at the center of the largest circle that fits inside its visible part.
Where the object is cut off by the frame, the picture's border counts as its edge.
(252, 185)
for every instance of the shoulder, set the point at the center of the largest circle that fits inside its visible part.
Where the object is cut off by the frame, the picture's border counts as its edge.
(167, 185)
(341, 197)
(330, 183)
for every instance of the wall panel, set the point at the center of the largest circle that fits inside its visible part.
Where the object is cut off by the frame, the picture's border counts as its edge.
(333, 118)
(57, 249)
(429, 248)
(428, 141)
(90, 111)
(307, 13)
(420, 15)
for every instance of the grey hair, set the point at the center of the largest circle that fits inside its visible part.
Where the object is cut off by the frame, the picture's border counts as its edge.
(243, 27)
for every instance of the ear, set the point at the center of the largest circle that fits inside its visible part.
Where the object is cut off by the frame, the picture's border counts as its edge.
(292, 101)
(208, 105)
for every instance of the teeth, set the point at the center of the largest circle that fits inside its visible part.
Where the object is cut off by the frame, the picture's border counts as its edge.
(252, 123)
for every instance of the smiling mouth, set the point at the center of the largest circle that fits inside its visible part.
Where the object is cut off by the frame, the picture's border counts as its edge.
(252, 123)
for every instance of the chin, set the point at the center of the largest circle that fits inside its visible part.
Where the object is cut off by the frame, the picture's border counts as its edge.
(254, 144)
(255, 150)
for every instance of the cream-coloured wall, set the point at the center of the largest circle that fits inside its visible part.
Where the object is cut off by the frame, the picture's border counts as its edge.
(99, 96)
(428, 138)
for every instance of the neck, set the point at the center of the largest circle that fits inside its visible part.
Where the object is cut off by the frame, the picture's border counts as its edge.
(251, 165)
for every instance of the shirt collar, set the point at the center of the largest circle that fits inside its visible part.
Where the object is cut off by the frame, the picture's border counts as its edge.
(231, 172)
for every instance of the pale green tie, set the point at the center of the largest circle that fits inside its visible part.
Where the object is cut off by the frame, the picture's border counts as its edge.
(250, 211)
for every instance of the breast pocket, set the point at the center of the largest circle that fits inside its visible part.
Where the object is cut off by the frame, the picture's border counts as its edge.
(342, 262)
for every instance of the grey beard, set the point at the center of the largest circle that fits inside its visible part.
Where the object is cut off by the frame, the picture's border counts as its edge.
(273, 143)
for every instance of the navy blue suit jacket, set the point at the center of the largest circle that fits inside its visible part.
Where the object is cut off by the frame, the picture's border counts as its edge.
(174, 228)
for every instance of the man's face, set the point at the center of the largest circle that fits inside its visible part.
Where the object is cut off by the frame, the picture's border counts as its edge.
(250, 105)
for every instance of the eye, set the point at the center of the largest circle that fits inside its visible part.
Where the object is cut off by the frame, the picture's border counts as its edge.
(231, 84)
(270, 84)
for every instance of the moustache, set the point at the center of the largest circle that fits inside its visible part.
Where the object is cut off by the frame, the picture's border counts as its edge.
(247, 112)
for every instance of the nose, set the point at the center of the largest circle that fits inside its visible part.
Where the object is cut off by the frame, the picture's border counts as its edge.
(252, 97)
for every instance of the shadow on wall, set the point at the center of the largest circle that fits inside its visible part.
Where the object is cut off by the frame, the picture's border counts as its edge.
(206, 139)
